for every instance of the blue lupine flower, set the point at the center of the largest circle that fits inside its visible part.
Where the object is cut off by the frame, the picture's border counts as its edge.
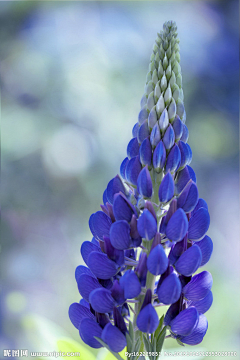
(153, 207)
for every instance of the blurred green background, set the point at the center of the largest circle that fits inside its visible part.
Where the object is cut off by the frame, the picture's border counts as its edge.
(72, 76)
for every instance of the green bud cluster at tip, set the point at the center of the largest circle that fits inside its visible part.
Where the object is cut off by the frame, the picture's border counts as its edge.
(163, 89)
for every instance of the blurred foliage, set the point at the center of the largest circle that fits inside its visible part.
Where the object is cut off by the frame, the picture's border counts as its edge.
(72, 76)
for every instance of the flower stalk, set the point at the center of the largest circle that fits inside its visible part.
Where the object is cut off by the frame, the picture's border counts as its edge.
(152, 226)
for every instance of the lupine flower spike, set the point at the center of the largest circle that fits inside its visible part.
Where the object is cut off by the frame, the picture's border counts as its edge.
(150, 236)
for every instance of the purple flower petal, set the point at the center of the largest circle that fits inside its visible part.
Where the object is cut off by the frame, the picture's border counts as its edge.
(132, 148)
(82, 270)
(88, 329)
(185, 134)
(101, 266)
(131, 285)
(172, 312)
(177, 226)
(189, 197)
(147, 320)
(100, 224)
(145, 183)
(185, 321)
(170, 290)
(206, 247)
(166, 188)
(105, 197)
(101, 300)
(86, 284)
(173, 159)
(135, 130)
(83, 302)
(114, 338)
(122, 208)
(147, 225)
(177, 127)
(123, 168)
(198, 224)
(200, 203)
(157, 261)
(86, 249)
(164, 120)
(198, 333)
(142, 116)
(169, 137)
(77, 313)
(113, 254)
(189, 261)
(198, 287)
(118, 293)
(133, 169)
(143, 132)
(119, 320)
(183, 178)
(155, 136)
(114, 186)
(159, 157)
(145, 152)
(203, 305)
(120, 235)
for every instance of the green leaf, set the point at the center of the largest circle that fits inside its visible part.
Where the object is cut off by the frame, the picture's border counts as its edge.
(147, 344)
(154, 347)
(117, 356)
(129, 343)
(131, 332)
(159, 328)
(160, 339)
(70, 345)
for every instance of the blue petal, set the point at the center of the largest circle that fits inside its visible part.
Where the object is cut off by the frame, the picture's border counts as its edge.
(145, 152)
(135, 130)
(185, 151)
(183, 178)
(203, 305)
(206, 247)
(189, 154)
(101, 266)
(78, 312)
(185, 321)
(169, 137)
(83, 302)
(133, 169)
(105, 197)
(155, 136)
(118, 293)
(131, 285)
(114, 186)
(189, 197)
(114, 338)
(145, 183)
(132, 148)
(198, 224)
(143, 132)
(95, 242)
(119, 320)
(157, 261)
(177, 127)
(147, 225)
(177, 226)
(185, 134)
(142, 116)
(159, 156)
(88, 329)
(172, 312)
(198, 333)
(86, 284)
(86, 249)
(170, 290)
(166, 188)
(141, 269)
(123, 167)
(164, 120)
(189, 261)
(152, 118)
(198, 287)
(200, 203)
(147, 320)
(113, 254)
(120, 235)
(82, 270)
(173, 159)
(101, 300)
(122, 209)
(100, 224)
